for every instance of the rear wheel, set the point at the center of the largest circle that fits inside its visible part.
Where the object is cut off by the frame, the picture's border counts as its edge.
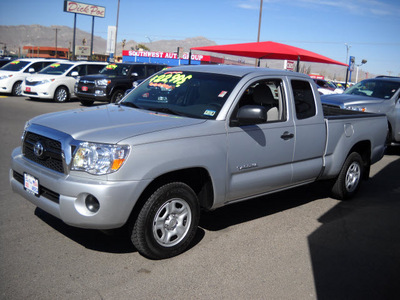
(349, 179)
(167, 223)
(16, 89)
(61, 94)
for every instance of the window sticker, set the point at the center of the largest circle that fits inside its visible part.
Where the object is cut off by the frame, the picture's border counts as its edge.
(55, 65)
(111, 67)
(222, 94)
(209, 113)
(15, 62)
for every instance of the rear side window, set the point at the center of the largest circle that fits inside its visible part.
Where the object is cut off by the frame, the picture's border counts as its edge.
(94, 69)
(303, 99)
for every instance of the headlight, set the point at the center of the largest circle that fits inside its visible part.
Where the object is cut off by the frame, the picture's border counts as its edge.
(102, 82)
(356, 108)
(27, 124)
(5, 76)
(99, 159)
(46, 81)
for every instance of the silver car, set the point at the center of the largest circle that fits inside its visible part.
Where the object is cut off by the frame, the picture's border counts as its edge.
(377, 95)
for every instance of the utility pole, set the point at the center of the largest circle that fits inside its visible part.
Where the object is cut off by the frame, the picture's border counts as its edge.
(56, 30)
(259, 29)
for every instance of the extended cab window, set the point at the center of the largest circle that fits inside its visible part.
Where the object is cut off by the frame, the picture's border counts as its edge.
(303, 99)
(268, 94)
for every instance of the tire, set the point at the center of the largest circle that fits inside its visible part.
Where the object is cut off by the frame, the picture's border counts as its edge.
(87, 102)
(349, 180)
(16, 89)
(167, 223)
(117, 95)
(61, 94)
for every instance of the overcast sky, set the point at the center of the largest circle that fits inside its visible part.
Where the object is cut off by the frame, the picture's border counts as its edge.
(370, 28)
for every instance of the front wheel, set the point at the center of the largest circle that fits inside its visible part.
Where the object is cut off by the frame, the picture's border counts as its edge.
(349, 179)
(167, 223)
(117, 95)
(61, 94)
(16, 89)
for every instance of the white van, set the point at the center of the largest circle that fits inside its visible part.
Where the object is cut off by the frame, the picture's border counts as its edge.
(57, 80)
(15, 72)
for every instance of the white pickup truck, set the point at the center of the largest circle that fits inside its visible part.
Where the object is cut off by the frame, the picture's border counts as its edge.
(187, 138)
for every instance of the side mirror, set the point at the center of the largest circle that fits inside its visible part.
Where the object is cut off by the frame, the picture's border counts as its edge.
(31, 70)
(250, 115)
(74, 74)
(134, 74)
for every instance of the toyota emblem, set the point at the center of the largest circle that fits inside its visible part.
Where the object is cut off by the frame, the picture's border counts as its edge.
(38, 149)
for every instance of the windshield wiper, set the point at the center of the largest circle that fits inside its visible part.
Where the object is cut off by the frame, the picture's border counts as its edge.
(165, 110)
(129, 104)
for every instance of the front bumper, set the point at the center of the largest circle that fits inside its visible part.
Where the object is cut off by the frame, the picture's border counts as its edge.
(39, 91)
(63, 196)
(99, 94)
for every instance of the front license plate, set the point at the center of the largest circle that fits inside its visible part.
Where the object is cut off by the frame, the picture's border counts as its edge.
(31, 184)
(28, 89)
(85, 88)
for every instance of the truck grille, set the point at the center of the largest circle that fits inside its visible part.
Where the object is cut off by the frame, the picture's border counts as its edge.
(48, 155)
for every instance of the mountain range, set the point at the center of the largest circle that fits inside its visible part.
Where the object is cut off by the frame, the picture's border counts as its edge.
(15, 37)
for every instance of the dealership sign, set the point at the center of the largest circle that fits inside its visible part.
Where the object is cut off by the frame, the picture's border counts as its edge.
(84, 9)
(160, 54)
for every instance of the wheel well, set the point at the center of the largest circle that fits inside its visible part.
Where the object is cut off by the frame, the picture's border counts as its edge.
(62, 86)
(364, 149)
(197, 178)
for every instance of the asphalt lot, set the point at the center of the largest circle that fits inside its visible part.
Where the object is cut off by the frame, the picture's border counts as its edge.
(298, 244)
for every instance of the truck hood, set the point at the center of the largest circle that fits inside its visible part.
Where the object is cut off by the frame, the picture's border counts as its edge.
(110, 123)
(345, 99)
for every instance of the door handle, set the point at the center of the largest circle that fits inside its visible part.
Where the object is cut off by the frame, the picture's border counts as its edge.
(287, 136)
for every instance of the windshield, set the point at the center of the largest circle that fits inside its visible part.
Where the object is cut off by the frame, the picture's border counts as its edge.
(192, 94)
(16, 65)
(374, 88)
(56, 69)
(115, 69)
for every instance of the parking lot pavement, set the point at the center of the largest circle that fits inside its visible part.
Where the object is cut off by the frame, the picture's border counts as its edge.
(298, 244)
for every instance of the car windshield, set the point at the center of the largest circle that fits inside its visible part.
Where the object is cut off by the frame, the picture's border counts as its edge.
(115, 69)
(56, 69)
(16, 65)
(191, 94)
(374, 88)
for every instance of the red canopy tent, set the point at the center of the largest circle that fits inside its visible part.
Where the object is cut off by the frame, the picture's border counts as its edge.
(270, 50)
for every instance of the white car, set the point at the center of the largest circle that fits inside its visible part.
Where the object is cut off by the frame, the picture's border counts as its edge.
(57, 80)
(15, 72)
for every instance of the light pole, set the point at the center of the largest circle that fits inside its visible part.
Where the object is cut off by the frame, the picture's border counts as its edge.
(347, 62)
(259, 29)
(364, 61)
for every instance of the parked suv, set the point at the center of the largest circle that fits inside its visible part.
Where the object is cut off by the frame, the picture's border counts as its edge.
(57, 80)
(112, 82)
(377, 95)
(14, 73)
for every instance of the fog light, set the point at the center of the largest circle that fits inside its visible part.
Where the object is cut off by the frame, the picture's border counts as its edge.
(92, 203)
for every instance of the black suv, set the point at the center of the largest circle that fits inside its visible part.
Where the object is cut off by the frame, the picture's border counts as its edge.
(112, 82)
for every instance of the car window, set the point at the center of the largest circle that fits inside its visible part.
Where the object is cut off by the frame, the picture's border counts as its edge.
(303, 99)
(94, 69)
(81, 69)
(375, 88)
(140, 70)
(37, 66)
(16, 65)
(267, 93)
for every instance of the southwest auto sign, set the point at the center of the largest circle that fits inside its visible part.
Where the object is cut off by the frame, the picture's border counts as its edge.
(84, 9)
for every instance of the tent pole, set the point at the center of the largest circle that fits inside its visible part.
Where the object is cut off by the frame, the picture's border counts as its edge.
(298, 63)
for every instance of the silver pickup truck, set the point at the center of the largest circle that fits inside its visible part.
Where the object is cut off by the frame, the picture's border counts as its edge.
(187, 138)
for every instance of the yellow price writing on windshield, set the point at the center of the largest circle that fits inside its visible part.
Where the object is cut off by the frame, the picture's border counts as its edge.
(176, 78)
